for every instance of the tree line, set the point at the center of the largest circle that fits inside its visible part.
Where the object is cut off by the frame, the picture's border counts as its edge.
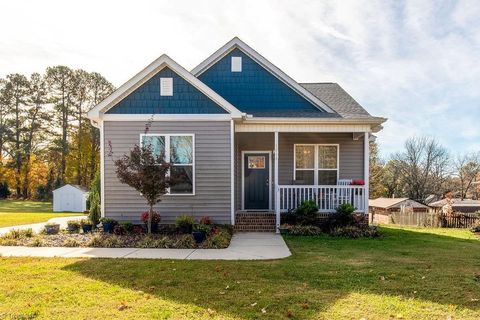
(424, 170)
(45, 138)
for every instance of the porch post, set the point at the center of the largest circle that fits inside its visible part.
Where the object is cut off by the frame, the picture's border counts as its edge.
(232, 172)
(366, 163)
(277, 194)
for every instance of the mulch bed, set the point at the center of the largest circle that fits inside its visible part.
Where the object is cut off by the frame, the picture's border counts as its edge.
(220, 239)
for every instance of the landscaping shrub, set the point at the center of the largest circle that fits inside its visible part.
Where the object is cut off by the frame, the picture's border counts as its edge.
(18, 234)
(219, 240)
(70, 242)
(43, 193)
(306, 214)
(148, 241)
(4, 190)
(185, 241)
(341, 218)
(356, 232)
(155, 220)
(95, 241)
(299, 230)
(94, 213)
(73, 226)
(138, 229)
(128, 226)
(111, 241)
(37, 242)
(185, 223)
(119, 230)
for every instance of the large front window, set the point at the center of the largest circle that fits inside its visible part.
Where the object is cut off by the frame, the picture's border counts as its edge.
(178, 150)
(316, 164)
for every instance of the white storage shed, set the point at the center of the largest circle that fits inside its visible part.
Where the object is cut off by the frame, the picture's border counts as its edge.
(71, 198)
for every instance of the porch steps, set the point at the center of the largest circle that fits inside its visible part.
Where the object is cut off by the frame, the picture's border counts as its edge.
(255, 221)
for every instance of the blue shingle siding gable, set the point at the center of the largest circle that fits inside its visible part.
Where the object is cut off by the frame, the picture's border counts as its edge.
(186, 98)
(255, 90)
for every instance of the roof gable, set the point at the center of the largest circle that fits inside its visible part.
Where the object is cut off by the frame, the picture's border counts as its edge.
(186, 99)
(255, 90)
(97, 112)
(261, 87)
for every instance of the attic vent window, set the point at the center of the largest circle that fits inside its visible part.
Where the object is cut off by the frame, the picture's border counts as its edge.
(236, 64)
(166, 86)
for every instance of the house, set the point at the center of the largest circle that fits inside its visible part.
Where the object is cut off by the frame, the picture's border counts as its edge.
(71, 198)
(246, 140)
(459, 205)
(381, 209)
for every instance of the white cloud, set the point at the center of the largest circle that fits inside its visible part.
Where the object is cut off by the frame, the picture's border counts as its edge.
(415, 62)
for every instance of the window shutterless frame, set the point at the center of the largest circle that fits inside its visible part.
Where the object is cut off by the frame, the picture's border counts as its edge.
(315, 161)
(167, 155)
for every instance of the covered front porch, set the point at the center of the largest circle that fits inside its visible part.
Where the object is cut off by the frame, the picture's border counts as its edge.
(276, 171)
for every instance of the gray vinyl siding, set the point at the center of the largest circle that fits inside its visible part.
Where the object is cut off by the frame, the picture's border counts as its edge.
(350, 154)
(212, 171)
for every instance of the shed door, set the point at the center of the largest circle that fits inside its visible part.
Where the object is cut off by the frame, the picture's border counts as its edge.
(256, 181)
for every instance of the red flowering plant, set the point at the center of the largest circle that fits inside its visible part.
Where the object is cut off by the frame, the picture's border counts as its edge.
(357, 182)
(206, 220)
(155, 217)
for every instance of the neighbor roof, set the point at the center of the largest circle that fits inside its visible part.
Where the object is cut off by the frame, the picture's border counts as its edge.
(386, 203)
(457, 203)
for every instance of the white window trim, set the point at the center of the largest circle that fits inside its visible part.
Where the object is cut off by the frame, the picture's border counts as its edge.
(315, 161)
(167, 156)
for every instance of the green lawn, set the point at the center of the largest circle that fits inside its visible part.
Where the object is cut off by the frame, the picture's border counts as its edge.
(408, 274)
(25, 212)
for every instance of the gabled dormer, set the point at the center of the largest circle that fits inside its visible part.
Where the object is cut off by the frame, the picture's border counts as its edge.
(255, 86)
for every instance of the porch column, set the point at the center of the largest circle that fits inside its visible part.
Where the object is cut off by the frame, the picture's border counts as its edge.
(366, 163)
(277, 194)
(232, 172)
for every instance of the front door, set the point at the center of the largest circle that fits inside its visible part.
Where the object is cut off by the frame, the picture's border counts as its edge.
(256, 172)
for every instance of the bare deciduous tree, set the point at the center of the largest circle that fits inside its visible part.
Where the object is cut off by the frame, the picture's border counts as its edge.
(467, 168)
(424, 167)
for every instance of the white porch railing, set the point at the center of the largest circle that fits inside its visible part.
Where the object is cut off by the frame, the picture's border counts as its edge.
(328, 198)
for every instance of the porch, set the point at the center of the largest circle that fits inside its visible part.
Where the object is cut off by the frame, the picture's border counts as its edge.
(276, 171)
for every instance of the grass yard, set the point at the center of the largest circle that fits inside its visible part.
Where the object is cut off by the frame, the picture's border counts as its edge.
(408, 274)
(14, 212)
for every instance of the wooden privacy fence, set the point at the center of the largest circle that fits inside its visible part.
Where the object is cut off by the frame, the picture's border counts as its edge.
(434, 219)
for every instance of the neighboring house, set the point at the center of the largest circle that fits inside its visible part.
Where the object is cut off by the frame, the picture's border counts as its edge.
(242, 136)
(383, 208)
(459, 205)
(70, 197)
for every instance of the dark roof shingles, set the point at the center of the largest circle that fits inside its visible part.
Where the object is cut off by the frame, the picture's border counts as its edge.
(338, 99)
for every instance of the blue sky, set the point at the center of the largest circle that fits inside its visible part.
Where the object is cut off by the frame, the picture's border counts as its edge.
(414, 62)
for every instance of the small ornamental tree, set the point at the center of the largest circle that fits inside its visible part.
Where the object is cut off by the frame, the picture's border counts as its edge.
(145, 172)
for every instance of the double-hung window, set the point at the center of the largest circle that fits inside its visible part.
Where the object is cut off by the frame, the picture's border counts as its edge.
(316, 164)
(179, 151)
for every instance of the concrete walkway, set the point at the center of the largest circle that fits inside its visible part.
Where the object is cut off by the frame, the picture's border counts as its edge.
(37, 227)
(244, 246)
